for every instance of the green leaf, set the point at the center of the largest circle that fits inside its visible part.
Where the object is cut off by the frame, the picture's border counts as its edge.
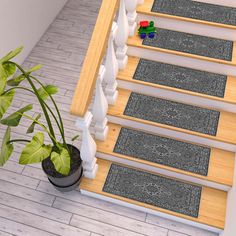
(35, 151)
(14, 118)
(34, 68)
(18, 79)
(10, 69)
(11, 54)
(6, 149)
(31, 128)
(49, 90)
(61, 161)
(75, 138)
(3, 83)
(5, 102)
(2, 72)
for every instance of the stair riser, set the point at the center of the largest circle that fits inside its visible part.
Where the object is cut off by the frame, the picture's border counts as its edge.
(189, 27)
(163, 171)
(150, 211)
(177, 96)
(182, 61)
(173, 134)
(228, 3)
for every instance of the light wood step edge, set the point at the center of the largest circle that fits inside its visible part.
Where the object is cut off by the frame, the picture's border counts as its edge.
(128, 73)
(146, 7)
(212, 208)
(221, 165)
(136, 41)
(226, 128)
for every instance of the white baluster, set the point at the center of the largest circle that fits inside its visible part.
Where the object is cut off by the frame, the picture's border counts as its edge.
(88, 148)
(132, 15)
(100, 107)
(122, 36)
(111, 66)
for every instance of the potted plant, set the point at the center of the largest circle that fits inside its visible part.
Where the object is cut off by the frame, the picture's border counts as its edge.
(60, 160)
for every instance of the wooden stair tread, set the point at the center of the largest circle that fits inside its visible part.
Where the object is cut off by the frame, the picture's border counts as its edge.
(212, 206)
(128, 73)
(226, 128)
(221, 165)
(146, 7)
(136, 41)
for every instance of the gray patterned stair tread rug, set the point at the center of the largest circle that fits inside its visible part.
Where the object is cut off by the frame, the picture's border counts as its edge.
(155, 190)
(161, 150)
(181, 77)
(196, 10)
(172, 113)
(192, 44)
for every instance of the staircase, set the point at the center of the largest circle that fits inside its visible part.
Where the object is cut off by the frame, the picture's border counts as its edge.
(170, 148)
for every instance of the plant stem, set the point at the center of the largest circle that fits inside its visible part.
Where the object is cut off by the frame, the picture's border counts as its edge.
(18, 140)
(23, 88)
(56, 107)
(40, 101)
(43, 126)
(58, 113)
(18, 87)
(50, 110)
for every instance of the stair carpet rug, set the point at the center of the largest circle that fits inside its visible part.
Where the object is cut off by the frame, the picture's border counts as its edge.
(172, 113)
(196, 10)
(162, 150)
(181, 78)
(191, 44)
(156, 190)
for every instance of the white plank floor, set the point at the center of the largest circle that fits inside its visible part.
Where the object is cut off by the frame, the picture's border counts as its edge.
(29, 205)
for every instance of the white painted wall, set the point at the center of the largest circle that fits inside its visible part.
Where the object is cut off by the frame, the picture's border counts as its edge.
(230, 226)
(23, 22)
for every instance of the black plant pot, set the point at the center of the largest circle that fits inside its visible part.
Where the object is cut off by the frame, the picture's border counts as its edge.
(61, 182)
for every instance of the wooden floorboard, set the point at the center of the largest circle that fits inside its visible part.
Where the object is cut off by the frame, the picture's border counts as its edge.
(210, 214)
(61, 51)
(128, 73)
(226, 131)
(221, 165)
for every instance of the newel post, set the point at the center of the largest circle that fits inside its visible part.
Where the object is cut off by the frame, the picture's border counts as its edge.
(122, 36)
(88, 147)
(111, 66)
(100, 108)
(132, 15)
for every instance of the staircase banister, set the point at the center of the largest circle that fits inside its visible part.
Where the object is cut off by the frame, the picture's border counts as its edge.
(96, 50)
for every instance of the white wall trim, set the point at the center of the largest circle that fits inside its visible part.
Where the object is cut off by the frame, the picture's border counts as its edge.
(163, 171)
(150, 211)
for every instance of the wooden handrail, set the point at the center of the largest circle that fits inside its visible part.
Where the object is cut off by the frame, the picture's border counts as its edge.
(98, 44)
